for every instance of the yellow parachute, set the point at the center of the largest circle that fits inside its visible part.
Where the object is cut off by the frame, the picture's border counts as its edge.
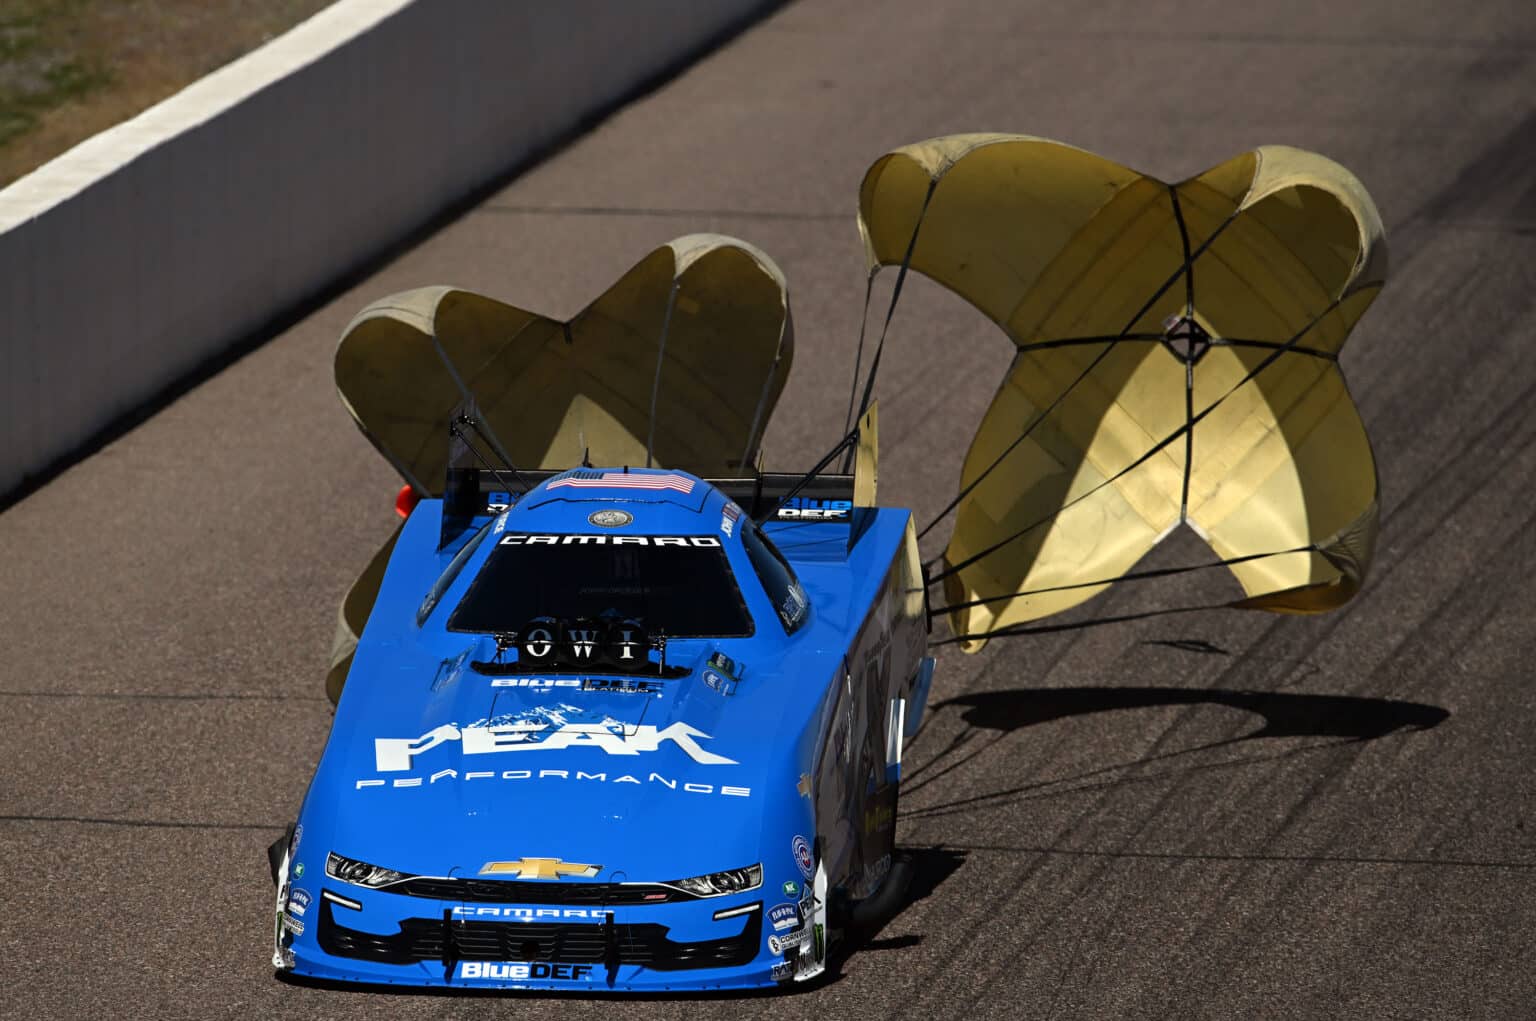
(678, 364)
(1177, 362)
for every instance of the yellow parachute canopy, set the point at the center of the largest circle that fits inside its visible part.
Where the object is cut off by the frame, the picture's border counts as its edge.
(702, 324)
(1177, 362)
(698, 333)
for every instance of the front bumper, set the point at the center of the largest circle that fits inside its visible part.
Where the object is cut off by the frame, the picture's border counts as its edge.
(609, 944)
(420, 942)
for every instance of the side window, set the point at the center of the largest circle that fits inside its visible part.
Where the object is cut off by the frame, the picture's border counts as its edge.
(450, 573)
(779, 582)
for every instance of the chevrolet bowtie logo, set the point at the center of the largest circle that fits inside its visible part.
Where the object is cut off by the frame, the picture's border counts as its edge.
(540, 868)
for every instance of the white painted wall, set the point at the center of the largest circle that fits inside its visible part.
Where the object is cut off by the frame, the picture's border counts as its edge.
(155, 245)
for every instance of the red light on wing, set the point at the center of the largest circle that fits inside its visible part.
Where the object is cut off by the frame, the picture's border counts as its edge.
(406, 500)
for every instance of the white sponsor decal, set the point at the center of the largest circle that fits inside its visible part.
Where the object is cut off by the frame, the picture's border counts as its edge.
(396, 754)
(541, 683)
(780, 943)
(522, 972)
(671, 783)
(784, 916)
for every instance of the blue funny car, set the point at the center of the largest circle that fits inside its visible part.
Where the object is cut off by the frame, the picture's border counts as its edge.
(612, 733)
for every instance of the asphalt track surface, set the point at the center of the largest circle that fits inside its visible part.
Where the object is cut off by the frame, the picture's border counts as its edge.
(1216, 816)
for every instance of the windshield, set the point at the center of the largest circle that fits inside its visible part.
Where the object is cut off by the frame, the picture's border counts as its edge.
(677, 586)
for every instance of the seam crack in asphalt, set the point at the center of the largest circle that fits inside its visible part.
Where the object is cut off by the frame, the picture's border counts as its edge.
(1192, 858)
(144, 823)
(737, 214)
(163, 696)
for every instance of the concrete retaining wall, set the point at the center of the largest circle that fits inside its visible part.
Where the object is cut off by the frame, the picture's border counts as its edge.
(154, 246)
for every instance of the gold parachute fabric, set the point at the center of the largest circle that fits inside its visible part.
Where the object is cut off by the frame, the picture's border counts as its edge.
(698, 332)
(1177, 362)
(702, 323)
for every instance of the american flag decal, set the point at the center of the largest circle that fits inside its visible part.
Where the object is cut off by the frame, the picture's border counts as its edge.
(623, 480)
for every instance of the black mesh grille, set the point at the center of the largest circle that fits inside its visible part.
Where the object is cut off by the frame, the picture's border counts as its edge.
(424, 939)
(509, 891)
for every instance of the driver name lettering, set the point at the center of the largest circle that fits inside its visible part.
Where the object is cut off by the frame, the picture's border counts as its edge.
(529, 539)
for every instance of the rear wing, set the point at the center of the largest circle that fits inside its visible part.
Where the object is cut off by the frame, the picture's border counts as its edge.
(475, 492)
(475, 489)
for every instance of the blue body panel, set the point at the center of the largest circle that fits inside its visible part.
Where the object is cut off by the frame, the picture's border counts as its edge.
(437, 769)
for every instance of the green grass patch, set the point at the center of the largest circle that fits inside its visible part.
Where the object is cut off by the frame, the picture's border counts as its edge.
(41, 64)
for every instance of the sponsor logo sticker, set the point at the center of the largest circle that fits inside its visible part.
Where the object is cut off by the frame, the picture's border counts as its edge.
(803, 857)
(610, 518)
(298, 871)
(622, 685)
(508, 971)
(783, 971)
(715, 682)
(545, 729)
(537, 683)
(479, 776)
(721, 673)
(725, 664)
(298, 902)
(806, 508)
(784, 916)
(788, 941)
(790, 888)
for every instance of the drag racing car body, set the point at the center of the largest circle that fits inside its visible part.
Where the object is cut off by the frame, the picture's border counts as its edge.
(612, 734)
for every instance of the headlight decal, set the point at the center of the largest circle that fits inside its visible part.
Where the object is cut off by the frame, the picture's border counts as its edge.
(360, 873)
(718, 884)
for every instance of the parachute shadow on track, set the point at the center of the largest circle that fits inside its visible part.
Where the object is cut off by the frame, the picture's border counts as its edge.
(1285, 714)
(1335, 719)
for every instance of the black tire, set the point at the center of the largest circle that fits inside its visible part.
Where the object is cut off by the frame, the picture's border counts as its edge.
(885, 903)
(276, 851)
